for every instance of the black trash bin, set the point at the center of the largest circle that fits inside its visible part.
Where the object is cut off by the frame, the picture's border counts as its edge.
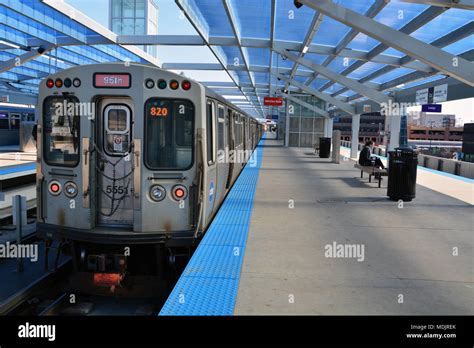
(324, 147)
(402, 169)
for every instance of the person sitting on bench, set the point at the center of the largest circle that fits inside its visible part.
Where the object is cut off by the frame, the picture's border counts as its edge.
(366, 158)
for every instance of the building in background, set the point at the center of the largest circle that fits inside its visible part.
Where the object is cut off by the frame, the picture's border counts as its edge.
(372, 126)
(134, 17)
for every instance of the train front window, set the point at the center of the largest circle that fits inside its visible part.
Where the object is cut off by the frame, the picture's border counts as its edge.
(169, 134)
(60, 133)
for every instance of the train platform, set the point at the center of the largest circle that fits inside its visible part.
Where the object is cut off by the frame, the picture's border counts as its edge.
(300, 235)
(17, 177)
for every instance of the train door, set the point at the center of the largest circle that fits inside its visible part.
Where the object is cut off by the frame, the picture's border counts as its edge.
(114, 163)
(211, 162)
(230, 145)
(222, 163)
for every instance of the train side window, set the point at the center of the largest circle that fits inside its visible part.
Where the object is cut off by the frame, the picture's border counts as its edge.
(4, 123)
(210, 116)
(221, 128)
(15, 121)
(61, 133)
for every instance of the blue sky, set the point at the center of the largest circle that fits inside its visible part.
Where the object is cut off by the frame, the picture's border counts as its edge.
(169, 23)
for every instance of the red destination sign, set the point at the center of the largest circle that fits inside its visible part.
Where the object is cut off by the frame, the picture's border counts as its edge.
(269, 101)
(112, 80)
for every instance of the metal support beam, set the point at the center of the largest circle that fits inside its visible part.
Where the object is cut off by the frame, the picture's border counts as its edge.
(313, 28)
(26, 57)
(324, 96)
(343, 80)
(448, 64)
(375, 9)
(306, 105)
(205, 36)
(463, 4)
(243, 51)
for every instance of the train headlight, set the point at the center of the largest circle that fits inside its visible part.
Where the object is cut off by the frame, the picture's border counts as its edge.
(157, 193)
(149, 83)
(70, 189)
(49, 83)
(55, 188)
(76, 82)
(180, 192)
(58, 83)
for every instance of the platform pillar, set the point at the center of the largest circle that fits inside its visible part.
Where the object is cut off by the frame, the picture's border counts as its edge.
(355, 136)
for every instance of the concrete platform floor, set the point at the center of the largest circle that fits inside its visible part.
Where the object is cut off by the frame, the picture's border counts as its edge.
(408, 269)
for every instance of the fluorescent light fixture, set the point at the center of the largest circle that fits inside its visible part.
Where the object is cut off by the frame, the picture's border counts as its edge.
(305, 49)
(9, 44)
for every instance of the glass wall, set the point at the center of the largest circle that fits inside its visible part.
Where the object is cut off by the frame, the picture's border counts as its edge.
(135, 17)
(306, 126)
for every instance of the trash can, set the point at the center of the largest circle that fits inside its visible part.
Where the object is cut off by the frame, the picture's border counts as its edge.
(324, 147)
(402, 169)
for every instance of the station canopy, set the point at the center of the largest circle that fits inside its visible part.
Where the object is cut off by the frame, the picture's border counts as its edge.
(340, 51)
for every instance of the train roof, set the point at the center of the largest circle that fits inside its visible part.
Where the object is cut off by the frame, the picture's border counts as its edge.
(209, 92)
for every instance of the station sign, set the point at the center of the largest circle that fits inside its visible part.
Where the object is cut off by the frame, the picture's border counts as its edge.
(112, 80)
(432, 108)
(432, 95)
(273, 101)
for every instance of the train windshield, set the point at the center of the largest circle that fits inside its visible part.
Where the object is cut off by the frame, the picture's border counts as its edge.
(60, 132)
(169, 134)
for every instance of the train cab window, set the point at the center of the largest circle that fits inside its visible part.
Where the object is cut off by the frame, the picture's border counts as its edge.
(117, 129)
(221, 128)
(60, 133)
(210, 116)
(169, 130)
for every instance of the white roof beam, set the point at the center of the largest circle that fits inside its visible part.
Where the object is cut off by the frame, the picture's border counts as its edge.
(443, 61)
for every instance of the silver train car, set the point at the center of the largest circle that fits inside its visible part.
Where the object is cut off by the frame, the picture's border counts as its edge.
(132, 155)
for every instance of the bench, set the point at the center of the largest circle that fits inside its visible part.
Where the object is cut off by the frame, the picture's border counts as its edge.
(372, 171)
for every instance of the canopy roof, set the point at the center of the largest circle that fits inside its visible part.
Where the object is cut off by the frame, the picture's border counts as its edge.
(342, 51)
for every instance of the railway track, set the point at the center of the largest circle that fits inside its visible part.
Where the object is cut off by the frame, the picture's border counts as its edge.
(37, 297)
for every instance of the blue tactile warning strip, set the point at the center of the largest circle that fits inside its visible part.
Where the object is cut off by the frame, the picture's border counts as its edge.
(17, 168)
(209, 284)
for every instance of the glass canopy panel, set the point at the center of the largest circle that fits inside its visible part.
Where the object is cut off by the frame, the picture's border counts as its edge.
(392, 75)
(253, 17)
(330, 32)
(421, 82)
(393, 52)
(339, 64)
(233, 55)
(394, 15)
(365, 70)
(214, 15)
(292, 24)
(315, 58)
(261, 77)
(443, 24)
(461, 46)
(318, 83)
(258, 56)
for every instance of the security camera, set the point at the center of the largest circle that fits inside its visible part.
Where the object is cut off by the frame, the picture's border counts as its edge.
(41, 50)
(298, 4)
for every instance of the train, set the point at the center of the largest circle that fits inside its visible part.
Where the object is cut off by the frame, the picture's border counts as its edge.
(11, 115)
(133, 160)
